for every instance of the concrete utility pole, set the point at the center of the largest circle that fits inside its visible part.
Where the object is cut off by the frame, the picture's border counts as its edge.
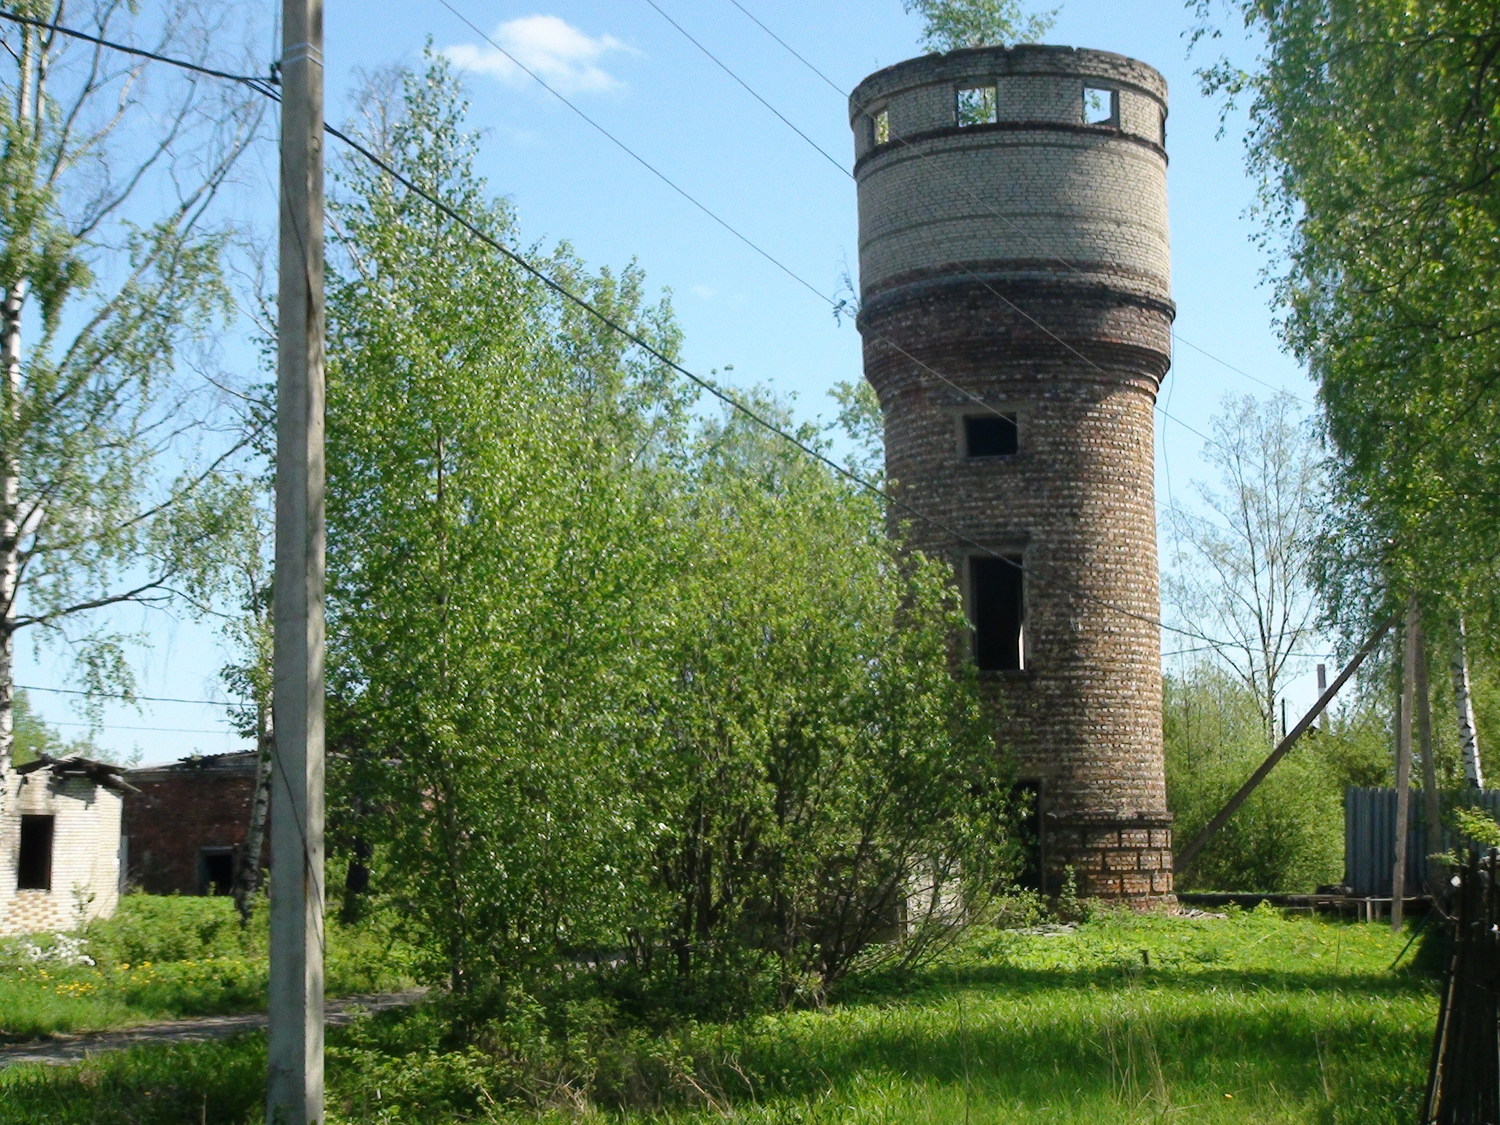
(294, 1079)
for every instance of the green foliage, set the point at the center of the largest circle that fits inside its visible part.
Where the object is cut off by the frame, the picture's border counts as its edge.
(34, 737)
(1288, 836)
(111, 266)
(161, 928)
(1478, 827)
(492, 601)
(171, 956)
(830, 778)
(948, 25)
(1246, 1019)
(606, 676)
(1373, 133)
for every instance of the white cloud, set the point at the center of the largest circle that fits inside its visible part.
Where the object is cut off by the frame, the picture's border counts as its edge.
(556, 51)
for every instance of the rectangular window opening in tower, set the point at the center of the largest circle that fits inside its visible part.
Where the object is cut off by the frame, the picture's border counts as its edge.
(880, 126)
(997, 607)
(1101, 105)
(991, 435)
(34, 863)
(976, 105)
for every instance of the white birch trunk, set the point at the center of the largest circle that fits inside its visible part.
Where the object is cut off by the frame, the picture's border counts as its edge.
(10, 458)
(1464, 701)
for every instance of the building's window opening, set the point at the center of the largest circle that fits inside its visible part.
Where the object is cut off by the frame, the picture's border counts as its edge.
(991, 435)
(880, 126)
(1101, 106)
(1163, 128)
(976, 105)
(34, 864)
(997, 603)
(215, 871)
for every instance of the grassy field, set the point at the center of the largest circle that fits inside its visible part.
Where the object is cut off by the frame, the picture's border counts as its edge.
(1255, 1018)
(161, 957)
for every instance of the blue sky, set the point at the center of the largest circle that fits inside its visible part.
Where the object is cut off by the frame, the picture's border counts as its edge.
(628, 68)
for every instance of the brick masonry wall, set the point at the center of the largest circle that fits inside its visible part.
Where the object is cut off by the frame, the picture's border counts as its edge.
(85, 852)
(1025, 265)
(176, 814)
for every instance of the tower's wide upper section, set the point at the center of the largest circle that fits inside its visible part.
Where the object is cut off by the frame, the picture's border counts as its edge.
(1015, 165)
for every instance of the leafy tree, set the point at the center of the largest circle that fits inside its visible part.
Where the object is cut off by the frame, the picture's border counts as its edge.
(1242, 559)
(948, 25)
(603, 676)
(112, 482)
(1289, 835)
(35, 738)
(492, 602)
(1372, 129)
(832, 784)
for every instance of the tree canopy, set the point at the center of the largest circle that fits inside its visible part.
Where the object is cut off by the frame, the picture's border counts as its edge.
(113, 481)
(1374, 132)
(948, 25)
(1242, 559)
(607, 674)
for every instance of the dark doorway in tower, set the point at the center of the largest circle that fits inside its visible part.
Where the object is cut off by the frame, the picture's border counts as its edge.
(997, 606)
(1026, 798)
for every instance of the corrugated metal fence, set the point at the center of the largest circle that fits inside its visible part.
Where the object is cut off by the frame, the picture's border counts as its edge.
(1370, 836)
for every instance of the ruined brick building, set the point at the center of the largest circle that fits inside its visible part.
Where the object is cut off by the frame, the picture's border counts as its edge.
(1016, 314)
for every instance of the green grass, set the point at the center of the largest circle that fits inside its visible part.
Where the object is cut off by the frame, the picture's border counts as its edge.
(1254, 1019)
(161, 957)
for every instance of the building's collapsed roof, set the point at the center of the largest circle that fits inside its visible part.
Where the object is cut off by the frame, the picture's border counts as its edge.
(106, 774)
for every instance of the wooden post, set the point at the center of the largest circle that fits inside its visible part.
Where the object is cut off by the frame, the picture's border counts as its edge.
(1322, 687)
(1432, 812)
(1403, 758)
(294, 1070)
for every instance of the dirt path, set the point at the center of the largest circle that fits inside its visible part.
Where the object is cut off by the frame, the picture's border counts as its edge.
(197, 1029)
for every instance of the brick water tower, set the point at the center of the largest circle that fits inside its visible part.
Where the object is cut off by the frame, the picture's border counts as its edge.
(1016, 313)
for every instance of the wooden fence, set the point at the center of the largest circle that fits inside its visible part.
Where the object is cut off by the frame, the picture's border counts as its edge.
(1370, 836)
(1463, 1086)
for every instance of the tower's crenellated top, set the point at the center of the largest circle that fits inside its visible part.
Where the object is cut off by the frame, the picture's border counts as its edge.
(1015, 164)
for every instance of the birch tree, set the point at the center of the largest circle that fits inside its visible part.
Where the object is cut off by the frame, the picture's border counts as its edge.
(1372, 130)
(1242, 557)
(113, 467)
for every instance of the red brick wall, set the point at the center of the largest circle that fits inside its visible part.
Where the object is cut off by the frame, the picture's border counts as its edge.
(174, 815)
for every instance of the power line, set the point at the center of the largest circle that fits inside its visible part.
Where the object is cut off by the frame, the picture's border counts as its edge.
(749, 90)
(836, 305)
(705, 384)
(126, 49)
(123, 726)
(125, 698)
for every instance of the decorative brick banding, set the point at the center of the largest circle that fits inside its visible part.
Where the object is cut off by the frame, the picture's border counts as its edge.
(1023, 267)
